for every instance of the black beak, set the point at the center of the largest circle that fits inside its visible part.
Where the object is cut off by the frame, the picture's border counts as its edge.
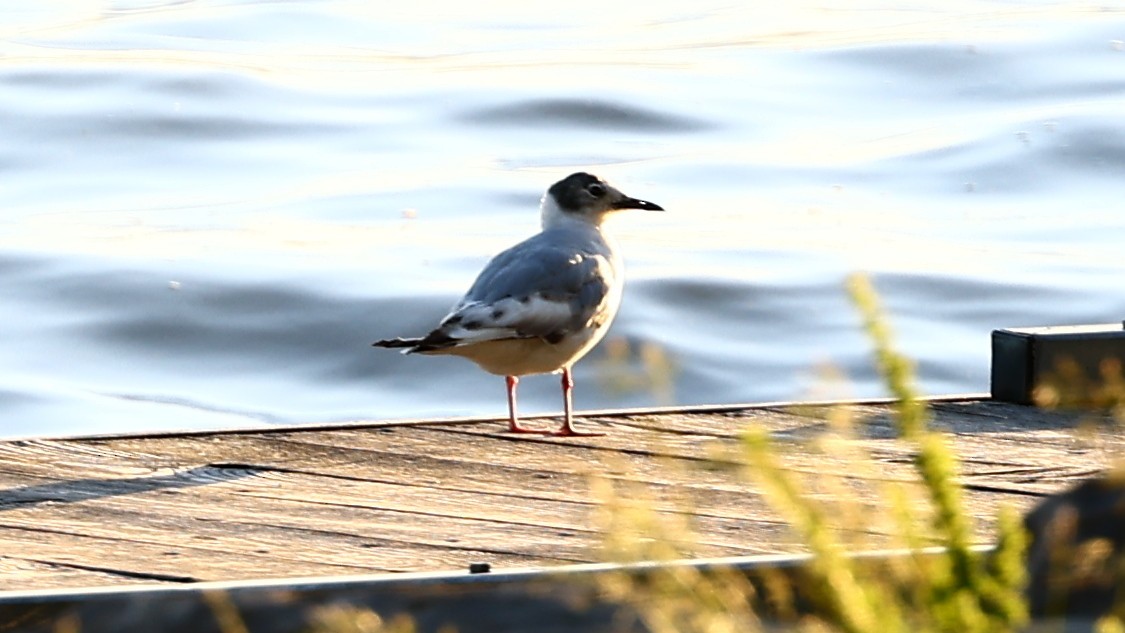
(633, 203)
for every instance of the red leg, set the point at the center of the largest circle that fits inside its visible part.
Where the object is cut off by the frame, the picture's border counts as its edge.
(568, 418)
(513, 422)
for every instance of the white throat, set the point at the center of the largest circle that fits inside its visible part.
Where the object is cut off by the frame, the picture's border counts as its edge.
(551, 215)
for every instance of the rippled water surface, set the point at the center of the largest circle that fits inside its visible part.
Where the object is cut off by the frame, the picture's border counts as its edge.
(210, 209)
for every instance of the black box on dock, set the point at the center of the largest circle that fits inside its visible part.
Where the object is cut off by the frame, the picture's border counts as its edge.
(1068, 364)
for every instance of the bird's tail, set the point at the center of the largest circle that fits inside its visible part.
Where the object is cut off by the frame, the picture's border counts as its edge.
(409, 343)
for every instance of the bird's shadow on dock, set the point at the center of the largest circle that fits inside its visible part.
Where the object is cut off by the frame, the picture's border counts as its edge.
(86, 489)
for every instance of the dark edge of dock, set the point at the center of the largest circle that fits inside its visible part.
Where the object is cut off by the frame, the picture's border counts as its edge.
(560, 599)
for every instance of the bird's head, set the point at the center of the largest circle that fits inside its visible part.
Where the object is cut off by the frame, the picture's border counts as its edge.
(586, 197)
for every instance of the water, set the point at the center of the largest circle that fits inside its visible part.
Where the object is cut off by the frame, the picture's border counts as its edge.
(210, 209)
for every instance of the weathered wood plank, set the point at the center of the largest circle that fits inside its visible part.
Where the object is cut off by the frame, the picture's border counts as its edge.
(349, 499)
(523, 492)
(335, 531)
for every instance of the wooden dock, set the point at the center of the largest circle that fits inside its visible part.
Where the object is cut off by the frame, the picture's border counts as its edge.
(432, 496)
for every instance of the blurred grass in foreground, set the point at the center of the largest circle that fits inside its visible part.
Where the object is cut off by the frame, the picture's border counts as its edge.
(638, 367)
(341, 618)
(958, 590)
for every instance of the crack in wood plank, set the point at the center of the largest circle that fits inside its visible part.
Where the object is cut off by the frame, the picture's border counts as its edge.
(123, 573)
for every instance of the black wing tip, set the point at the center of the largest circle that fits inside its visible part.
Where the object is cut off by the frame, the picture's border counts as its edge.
(396, 342)
(436, 340)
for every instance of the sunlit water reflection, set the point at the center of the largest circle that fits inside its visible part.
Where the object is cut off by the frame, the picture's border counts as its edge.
(211, 209)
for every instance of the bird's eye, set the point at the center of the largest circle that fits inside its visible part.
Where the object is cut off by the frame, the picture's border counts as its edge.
(596, 189)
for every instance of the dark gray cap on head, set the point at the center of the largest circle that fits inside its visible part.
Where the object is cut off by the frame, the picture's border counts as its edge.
(576, 191)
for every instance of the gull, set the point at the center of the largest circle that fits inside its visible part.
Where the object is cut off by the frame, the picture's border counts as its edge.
(541, 305)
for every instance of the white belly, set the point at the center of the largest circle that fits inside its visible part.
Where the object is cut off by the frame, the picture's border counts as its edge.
(520, 357)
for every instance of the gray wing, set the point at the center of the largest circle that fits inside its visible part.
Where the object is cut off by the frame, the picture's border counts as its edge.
(546, 286)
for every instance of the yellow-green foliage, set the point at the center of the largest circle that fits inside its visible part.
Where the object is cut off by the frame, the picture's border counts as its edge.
(646, 367)
(225, 611)
(343, 618)
(958, 590)
(963, 593)
(1068, 385)
(679, 597)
